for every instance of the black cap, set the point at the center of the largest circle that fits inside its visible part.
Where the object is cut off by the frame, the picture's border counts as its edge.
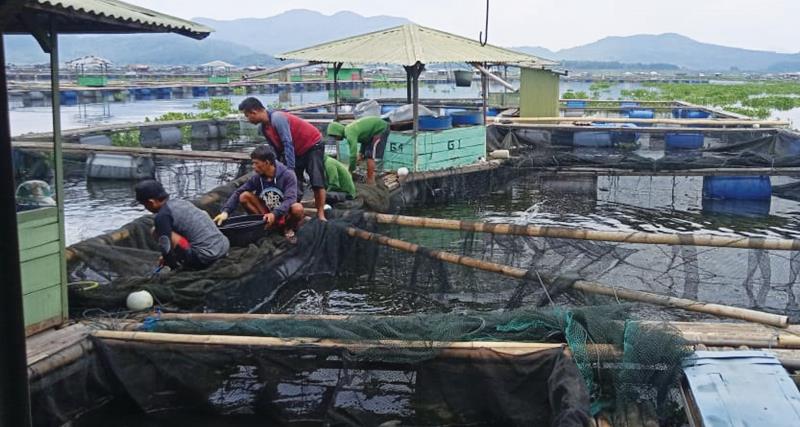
(150, 189)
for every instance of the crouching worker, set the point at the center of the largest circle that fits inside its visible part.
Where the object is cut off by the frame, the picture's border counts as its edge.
(186, 235)
(371, 133)
(271, 192)
(340, 183)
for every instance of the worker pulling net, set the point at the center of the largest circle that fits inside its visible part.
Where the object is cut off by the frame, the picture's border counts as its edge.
(248, 278)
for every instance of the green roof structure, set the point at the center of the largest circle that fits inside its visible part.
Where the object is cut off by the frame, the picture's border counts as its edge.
(96, 17)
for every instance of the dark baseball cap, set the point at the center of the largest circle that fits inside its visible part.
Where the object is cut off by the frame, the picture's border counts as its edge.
(150, 189)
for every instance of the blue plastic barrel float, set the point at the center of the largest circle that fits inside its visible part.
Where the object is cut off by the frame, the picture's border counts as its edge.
(614, 137)
(198, 91)
(683, 140)
(690, 113)
(747, 208)
(641, 114)
(467, 118)
(164, 92)
(576, 104)
(68, 97)
(491, 111)
(592, 139)
(737, 187)
(142, 92)
(435, 123)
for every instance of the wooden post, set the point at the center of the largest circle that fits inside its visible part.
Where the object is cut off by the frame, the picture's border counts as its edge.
(58, 162)
(591, 287)
(336, 67)
(409, 84)
(14, 393)
(484, 93)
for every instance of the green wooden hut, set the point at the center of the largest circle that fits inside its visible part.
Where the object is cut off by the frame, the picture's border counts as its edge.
(33, 293)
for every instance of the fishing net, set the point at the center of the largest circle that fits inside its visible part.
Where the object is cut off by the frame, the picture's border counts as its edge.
(720, 149)
(252, 385)
(126, 261)
(621, 361)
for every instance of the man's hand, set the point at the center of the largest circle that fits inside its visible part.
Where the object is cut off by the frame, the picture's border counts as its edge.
(269, 219)
(161, 261)
(219, 219)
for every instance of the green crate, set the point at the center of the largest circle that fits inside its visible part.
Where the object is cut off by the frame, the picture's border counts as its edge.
(92, 81)
(219, 79)
(435, 150)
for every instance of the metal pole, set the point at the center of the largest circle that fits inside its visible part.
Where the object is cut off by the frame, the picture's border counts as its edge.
(484, 90)
(336, 67)
(408, 84)
(14, 395)
(417, 70)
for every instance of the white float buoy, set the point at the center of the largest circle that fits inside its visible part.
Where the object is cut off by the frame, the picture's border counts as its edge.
(500, 154)
(402, 172)
(140, 300)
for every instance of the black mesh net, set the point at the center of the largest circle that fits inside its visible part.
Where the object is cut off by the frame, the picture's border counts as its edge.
(720, 148)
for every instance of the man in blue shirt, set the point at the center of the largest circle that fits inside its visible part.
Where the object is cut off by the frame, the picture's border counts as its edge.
(271, 191)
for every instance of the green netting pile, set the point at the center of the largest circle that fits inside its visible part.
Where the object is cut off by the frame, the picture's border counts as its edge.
(621, 361)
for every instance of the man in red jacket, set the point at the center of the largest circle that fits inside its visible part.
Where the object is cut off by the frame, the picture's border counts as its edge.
(298, 144)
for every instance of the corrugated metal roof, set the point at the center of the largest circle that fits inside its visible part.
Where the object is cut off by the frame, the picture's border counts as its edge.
(407, 45)
(123, 13)
(741, 389)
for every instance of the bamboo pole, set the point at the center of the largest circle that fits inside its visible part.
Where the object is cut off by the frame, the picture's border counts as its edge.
(591, 287)
(712, 122)
(511, 347)
(716, 334)
(682, 239)
(160, 152)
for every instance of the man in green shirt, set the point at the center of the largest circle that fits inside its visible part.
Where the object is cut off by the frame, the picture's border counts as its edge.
(340, 183)
(371, 133)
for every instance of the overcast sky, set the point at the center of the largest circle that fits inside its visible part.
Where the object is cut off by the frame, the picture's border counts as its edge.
(554, 24)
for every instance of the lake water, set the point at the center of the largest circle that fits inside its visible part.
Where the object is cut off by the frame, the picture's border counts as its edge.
(628, 203)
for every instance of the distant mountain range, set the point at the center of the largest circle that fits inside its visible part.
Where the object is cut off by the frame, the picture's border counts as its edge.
(253, 41)
(296, 29)
(673, 49)
(156, 49)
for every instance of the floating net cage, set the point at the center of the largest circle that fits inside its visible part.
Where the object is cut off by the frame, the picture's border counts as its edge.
(612, 359)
